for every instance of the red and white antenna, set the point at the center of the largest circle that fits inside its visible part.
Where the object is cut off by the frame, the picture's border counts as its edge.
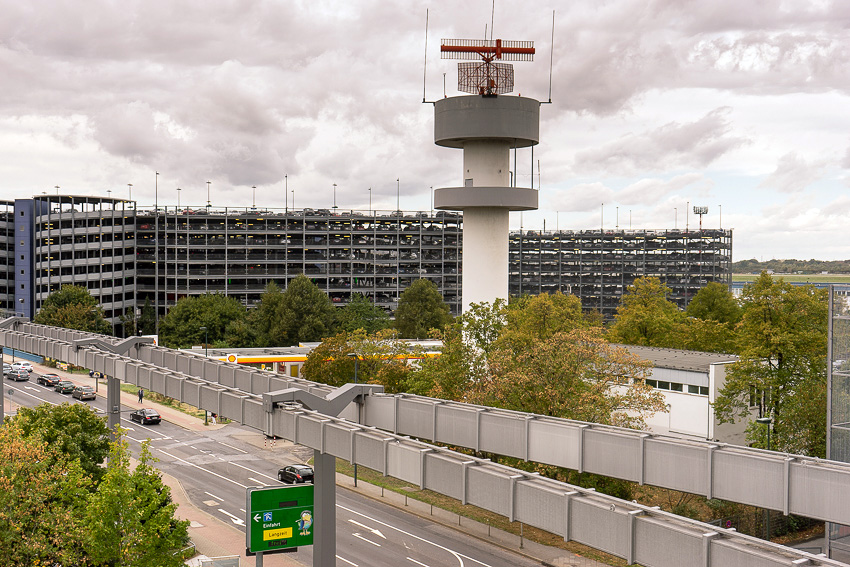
(485, 76)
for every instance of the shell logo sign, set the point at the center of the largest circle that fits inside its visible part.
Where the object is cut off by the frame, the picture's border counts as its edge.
(232, 358)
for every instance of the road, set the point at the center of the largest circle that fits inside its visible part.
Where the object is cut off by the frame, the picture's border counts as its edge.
(216, 466)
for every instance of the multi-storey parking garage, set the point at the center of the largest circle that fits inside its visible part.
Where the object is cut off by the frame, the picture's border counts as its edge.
(598, 266)
(85, 241)
(239, 251)
(7, 255)
(125, 257)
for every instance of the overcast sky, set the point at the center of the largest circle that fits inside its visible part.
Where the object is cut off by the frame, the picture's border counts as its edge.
(657, 106)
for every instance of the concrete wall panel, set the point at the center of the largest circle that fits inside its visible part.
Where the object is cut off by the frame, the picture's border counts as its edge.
(456, 425)
(555, 442)
(443, 474)
(488, 488)
(673, 465)
(612, 454)
(503, 434)
(749, 479)
(597, 525)
(403, 462)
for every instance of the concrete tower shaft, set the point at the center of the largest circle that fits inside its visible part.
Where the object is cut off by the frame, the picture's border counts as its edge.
(486, 128)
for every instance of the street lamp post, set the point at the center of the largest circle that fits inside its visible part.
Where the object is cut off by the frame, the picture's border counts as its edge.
(356, 368)
(129, 191)
(206, 353)
(766, 421)
(334, 207)
(209, 204)
(254, 198)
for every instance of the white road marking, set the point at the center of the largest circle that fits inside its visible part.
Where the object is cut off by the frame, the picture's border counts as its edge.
(128, 428)
(201, 468)
(457, 555)
(235, 519)
(243, 510)
(214, 496)
(373, 530)
(31, 388)
(257, 481)
(347, 561)
(417, 562)
(36, 397)
(358, 536)
(258, 473)
(234, 448)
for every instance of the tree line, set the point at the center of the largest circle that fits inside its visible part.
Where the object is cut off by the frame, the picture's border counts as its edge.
(753, 266)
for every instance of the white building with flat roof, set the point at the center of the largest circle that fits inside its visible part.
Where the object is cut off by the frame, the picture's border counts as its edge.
(690, 382)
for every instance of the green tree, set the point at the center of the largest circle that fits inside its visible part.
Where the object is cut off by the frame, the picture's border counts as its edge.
(265, 317)
(73, 307)
(381, 358)
(574, 375)
(781, 369)
(361, 313)
(715, 302)
(72, 430)
(645, 316)
(181, 326)
(534, 318)
(43, 494)
(420, 309)
(705, 336)
(301, 313)
(130, 518)
(147, 319)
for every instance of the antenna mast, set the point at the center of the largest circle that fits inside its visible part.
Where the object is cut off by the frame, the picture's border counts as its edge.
(486, 77)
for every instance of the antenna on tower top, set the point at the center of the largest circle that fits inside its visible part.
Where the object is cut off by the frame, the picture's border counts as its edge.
(486, 77)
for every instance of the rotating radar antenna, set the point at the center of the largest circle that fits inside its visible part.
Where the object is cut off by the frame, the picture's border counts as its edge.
(486, 76)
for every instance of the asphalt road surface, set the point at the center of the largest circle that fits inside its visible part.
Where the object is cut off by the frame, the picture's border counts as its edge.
(216, 466)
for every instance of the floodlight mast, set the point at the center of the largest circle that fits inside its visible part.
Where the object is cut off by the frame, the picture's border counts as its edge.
(700, 211)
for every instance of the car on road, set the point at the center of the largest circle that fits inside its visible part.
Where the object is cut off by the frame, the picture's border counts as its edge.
(19, 375)
(64, 387)
(145, 416)
(25, 365)
(84, 393)
(6, 368)
(48, 380)
(293, 474)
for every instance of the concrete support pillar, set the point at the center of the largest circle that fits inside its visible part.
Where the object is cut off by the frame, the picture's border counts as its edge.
(485, 253)
(113, 404)
(324, 510)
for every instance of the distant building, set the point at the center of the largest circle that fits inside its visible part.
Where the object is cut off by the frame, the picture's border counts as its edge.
(690, 382)
(598, 266)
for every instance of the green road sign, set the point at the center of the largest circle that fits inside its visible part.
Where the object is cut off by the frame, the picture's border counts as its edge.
(279, 517)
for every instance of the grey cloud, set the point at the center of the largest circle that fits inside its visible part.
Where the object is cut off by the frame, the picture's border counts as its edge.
(673, 145)
(793, 174)
(580, 198)
(649, 191)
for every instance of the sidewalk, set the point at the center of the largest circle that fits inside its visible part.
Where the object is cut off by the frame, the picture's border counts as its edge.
(215, 538)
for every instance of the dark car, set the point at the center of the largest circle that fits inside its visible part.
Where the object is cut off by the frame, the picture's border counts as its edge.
(64, 387)
(48, 380)
(145, 416)
(19, 375)
(295, 473)
(84, 393)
